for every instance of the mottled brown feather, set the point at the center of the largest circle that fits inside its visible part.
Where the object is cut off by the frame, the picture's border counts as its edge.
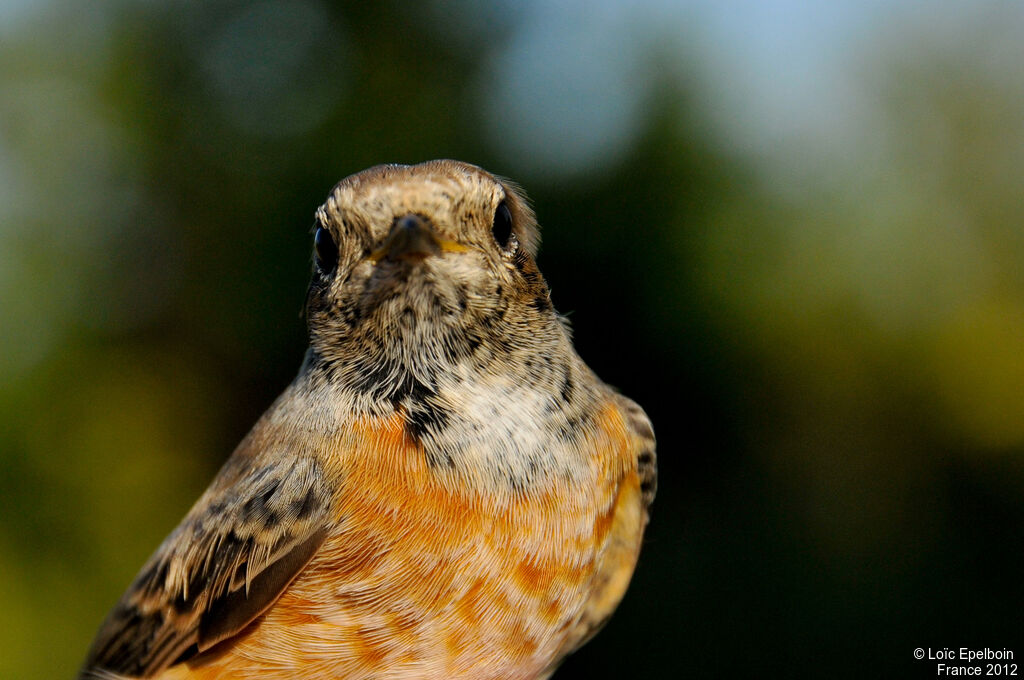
(234, 553)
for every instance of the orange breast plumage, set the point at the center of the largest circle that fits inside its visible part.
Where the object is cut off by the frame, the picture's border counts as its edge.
(427, 577)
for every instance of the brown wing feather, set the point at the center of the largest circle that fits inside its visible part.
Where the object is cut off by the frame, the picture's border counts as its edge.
(646, 459)
(630, 515)
(644, 448)
(238, 548)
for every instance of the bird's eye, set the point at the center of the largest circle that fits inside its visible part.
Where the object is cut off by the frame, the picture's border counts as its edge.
(326, 250)
(502, 227)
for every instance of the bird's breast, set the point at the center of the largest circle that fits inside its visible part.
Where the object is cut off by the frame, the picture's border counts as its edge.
(430, 573)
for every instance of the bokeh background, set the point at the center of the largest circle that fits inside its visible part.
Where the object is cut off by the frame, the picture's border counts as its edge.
(791, 230)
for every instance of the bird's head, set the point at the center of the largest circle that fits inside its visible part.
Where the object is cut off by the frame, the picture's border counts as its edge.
(426, 262)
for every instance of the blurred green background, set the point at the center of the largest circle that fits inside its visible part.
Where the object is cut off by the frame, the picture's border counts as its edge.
(791, 231)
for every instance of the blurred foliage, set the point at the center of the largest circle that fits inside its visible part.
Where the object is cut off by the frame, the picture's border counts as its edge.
(829, 347)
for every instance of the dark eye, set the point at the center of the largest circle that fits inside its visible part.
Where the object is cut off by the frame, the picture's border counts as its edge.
(502, 227)
(326, 250)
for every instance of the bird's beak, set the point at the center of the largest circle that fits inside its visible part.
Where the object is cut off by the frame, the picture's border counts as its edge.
(412, 238)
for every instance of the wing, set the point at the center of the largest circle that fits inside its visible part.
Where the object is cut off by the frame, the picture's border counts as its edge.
(629, 519)
(238, 548)
(644, 445)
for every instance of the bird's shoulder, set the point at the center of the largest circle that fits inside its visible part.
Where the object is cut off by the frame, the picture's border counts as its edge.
(258, 524)
(620, 528)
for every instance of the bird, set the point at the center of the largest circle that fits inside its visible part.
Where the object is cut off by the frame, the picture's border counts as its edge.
(445, 490)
